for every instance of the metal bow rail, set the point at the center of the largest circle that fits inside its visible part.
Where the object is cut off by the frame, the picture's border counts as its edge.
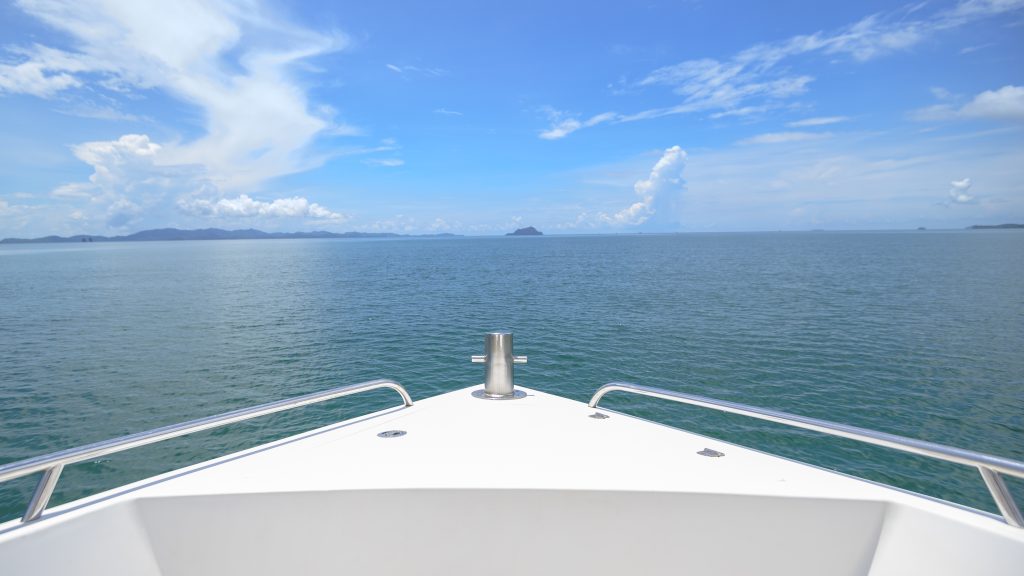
(51, 465)
(989, 466)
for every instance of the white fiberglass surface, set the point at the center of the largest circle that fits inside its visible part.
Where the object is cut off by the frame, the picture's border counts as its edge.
(472, 532)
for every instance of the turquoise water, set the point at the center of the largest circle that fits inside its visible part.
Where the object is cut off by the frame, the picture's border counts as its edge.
(919, 334)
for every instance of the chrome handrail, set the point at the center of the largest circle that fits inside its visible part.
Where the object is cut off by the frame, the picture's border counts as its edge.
(51, 465)
(989, 466)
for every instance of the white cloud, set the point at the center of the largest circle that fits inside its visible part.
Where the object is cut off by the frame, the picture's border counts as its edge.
(31, 78)
(1006, 103)
(126, 179)
(970, 49)
(343, 129)
(958, 191)
(235, 64)
(96, 111)
(445, 112)
(708, 84)
(563, 127)
(74, 190)
(7, 209)
(398, 224)
(238, 65)
(784, 137)
(820, 121)
(658, 194)
(934, 113)
(941, 93)
(118, 167)
(740, 112)
(442, 225)
(385, 162)
(756, 78)
(121, 213)
(114, 160)
(126, 182)
(245, 207)
(404, 70)
(853, 180)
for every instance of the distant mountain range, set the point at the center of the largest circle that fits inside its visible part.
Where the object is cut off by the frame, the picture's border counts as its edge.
(211, 234)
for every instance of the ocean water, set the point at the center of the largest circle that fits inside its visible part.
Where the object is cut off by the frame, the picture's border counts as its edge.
(919, 334)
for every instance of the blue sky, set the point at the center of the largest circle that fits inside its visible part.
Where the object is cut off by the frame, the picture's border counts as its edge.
(467, 117)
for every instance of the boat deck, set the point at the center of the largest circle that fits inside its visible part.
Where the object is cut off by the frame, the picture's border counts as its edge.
(534, 485)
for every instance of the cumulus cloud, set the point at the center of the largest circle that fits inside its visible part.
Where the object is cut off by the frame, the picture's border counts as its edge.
(120, 214)
(127, 181)
(114, 161)
(958, 191)
(784, 137)
(245, 207)
(658, 195)
(1006, 104)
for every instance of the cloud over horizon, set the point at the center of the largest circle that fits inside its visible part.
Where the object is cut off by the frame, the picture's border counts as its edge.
(237, 65)
(658, 195)
(958, 191)
(245, 207)
(122, 116)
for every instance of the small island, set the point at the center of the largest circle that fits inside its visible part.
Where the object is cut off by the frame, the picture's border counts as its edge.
(528, 231)
(997, 227)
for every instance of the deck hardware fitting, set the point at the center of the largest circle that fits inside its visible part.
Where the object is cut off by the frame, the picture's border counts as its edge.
(599, 416)
(711, 453)
(499, 361)
(483, 395)
(391, 434)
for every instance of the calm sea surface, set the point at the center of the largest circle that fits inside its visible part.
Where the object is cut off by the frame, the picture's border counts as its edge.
(919, 334)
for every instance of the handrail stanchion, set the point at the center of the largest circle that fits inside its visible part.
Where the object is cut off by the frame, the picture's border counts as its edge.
(1001, 494)
(44, 490)
(51, 465)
